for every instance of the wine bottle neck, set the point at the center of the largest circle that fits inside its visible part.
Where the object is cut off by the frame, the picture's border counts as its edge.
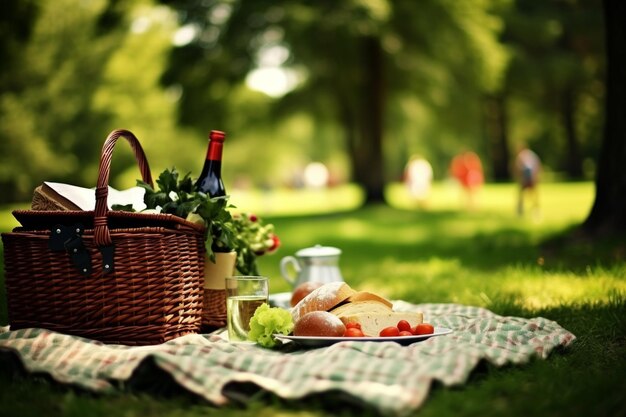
(214, 153)
(210, 179)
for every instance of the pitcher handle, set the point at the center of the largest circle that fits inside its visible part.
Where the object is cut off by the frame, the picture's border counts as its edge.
(285, 272)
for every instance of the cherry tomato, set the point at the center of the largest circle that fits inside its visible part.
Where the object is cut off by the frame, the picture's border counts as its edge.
(353, 325)
(423, 328)
(405, 333)
(404, 325)
(353, 332)
(391, 331)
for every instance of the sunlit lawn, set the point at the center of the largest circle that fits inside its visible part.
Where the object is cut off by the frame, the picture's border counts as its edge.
(487, 256)
(449, 254)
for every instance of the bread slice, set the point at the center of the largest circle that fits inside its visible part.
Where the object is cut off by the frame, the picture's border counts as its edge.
(373, 323)
(365, 295)
(358, 307)
(323, 298)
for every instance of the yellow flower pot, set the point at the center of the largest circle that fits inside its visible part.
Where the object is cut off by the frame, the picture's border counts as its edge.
(214, 308)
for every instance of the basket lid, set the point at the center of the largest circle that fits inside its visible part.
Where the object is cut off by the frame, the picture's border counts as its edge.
(38, 220)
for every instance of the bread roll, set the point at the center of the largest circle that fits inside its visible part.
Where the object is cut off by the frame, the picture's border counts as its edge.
(303, 290)
(319, 323)
(373, 323)
(356, 307)
(323, 298)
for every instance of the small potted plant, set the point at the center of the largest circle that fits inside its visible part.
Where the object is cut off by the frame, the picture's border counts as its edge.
(232, 241)
(243, 233)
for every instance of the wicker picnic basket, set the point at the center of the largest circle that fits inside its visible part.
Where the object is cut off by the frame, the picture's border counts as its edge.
(113, 276)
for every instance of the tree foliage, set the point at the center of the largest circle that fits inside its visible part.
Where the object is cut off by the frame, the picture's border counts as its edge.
(376, 81)
(554, 84)
(74, 72)
(356, 57)
(45, 112)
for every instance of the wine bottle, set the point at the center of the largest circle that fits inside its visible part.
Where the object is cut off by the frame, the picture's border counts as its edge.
(210, 180)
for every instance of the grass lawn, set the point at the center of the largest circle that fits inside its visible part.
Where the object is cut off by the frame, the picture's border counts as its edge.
(486, 257)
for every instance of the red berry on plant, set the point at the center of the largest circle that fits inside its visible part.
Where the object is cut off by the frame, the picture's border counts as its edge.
(275, 244)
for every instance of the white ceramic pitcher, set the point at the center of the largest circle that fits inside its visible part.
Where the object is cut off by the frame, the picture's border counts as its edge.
(317, 263)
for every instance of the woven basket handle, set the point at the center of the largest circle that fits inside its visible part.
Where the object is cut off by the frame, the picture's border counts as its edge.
(102, 236)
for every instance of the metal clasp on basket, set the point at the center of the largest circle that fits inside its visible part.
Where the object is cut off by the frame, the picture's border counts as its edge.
(69, 239)
(108, 258)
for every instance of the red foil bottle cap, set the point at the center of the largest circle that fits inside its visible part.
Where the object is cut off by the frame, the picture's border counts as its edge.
(217, 135)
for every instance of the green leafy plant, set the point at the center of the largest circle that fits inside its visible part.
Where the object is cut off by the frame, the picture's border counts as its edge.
(240, 232)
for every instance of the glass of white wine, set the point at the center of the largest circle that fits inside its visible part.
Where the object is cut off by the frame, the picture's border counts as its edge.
(243, 295)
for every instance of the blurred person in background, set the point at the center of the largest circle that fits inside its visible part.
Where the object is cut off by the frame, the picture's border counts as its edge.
(418, 177)
(527, 168)
(468, 171)
(316, 175)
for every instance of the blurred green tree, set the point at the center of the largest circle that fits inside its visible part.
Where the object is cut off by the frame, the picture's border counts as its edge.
(608, 214)
(16, 27)
(554, 85)
(377, 80)
(16, 30)
(356, 58)
(131, 95)
(45, 112)
(72, 72)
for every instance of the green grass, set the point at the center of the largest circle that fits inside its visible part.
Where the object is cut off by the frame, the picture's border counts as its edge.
(487, 257)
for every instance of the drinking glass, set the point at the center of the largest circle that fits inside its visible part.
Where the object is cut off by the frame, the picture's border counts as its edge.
(243, 295)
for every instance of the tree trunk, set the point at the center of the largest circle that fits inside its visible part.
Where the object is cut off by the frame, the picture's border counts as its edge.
(573, 163)
(608, 214)
(496, 130)
(367, 151)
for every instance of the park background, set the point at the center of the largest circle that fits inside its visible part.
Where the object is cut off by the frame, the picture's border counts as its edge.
(359, 87)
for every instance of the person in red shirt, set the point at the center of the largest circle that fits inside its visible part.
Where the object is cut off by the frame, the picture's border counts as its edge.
(468, 170)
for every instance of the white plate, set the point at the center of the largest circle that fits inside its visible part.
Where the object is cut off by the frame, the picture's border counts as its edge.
(319, 341)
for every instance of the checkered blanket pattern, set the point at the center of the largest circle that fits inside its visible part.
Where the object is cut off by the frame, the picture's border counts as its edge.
(393, 379)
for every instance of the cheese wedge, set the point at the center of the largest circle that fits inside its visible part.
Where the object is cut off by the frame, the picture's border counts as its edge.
(366, 295)
(358, 307)
(373, 323)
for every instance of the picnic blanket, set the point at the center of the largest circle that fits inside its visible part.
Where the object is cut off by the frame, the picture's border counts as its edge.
(393, 379)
